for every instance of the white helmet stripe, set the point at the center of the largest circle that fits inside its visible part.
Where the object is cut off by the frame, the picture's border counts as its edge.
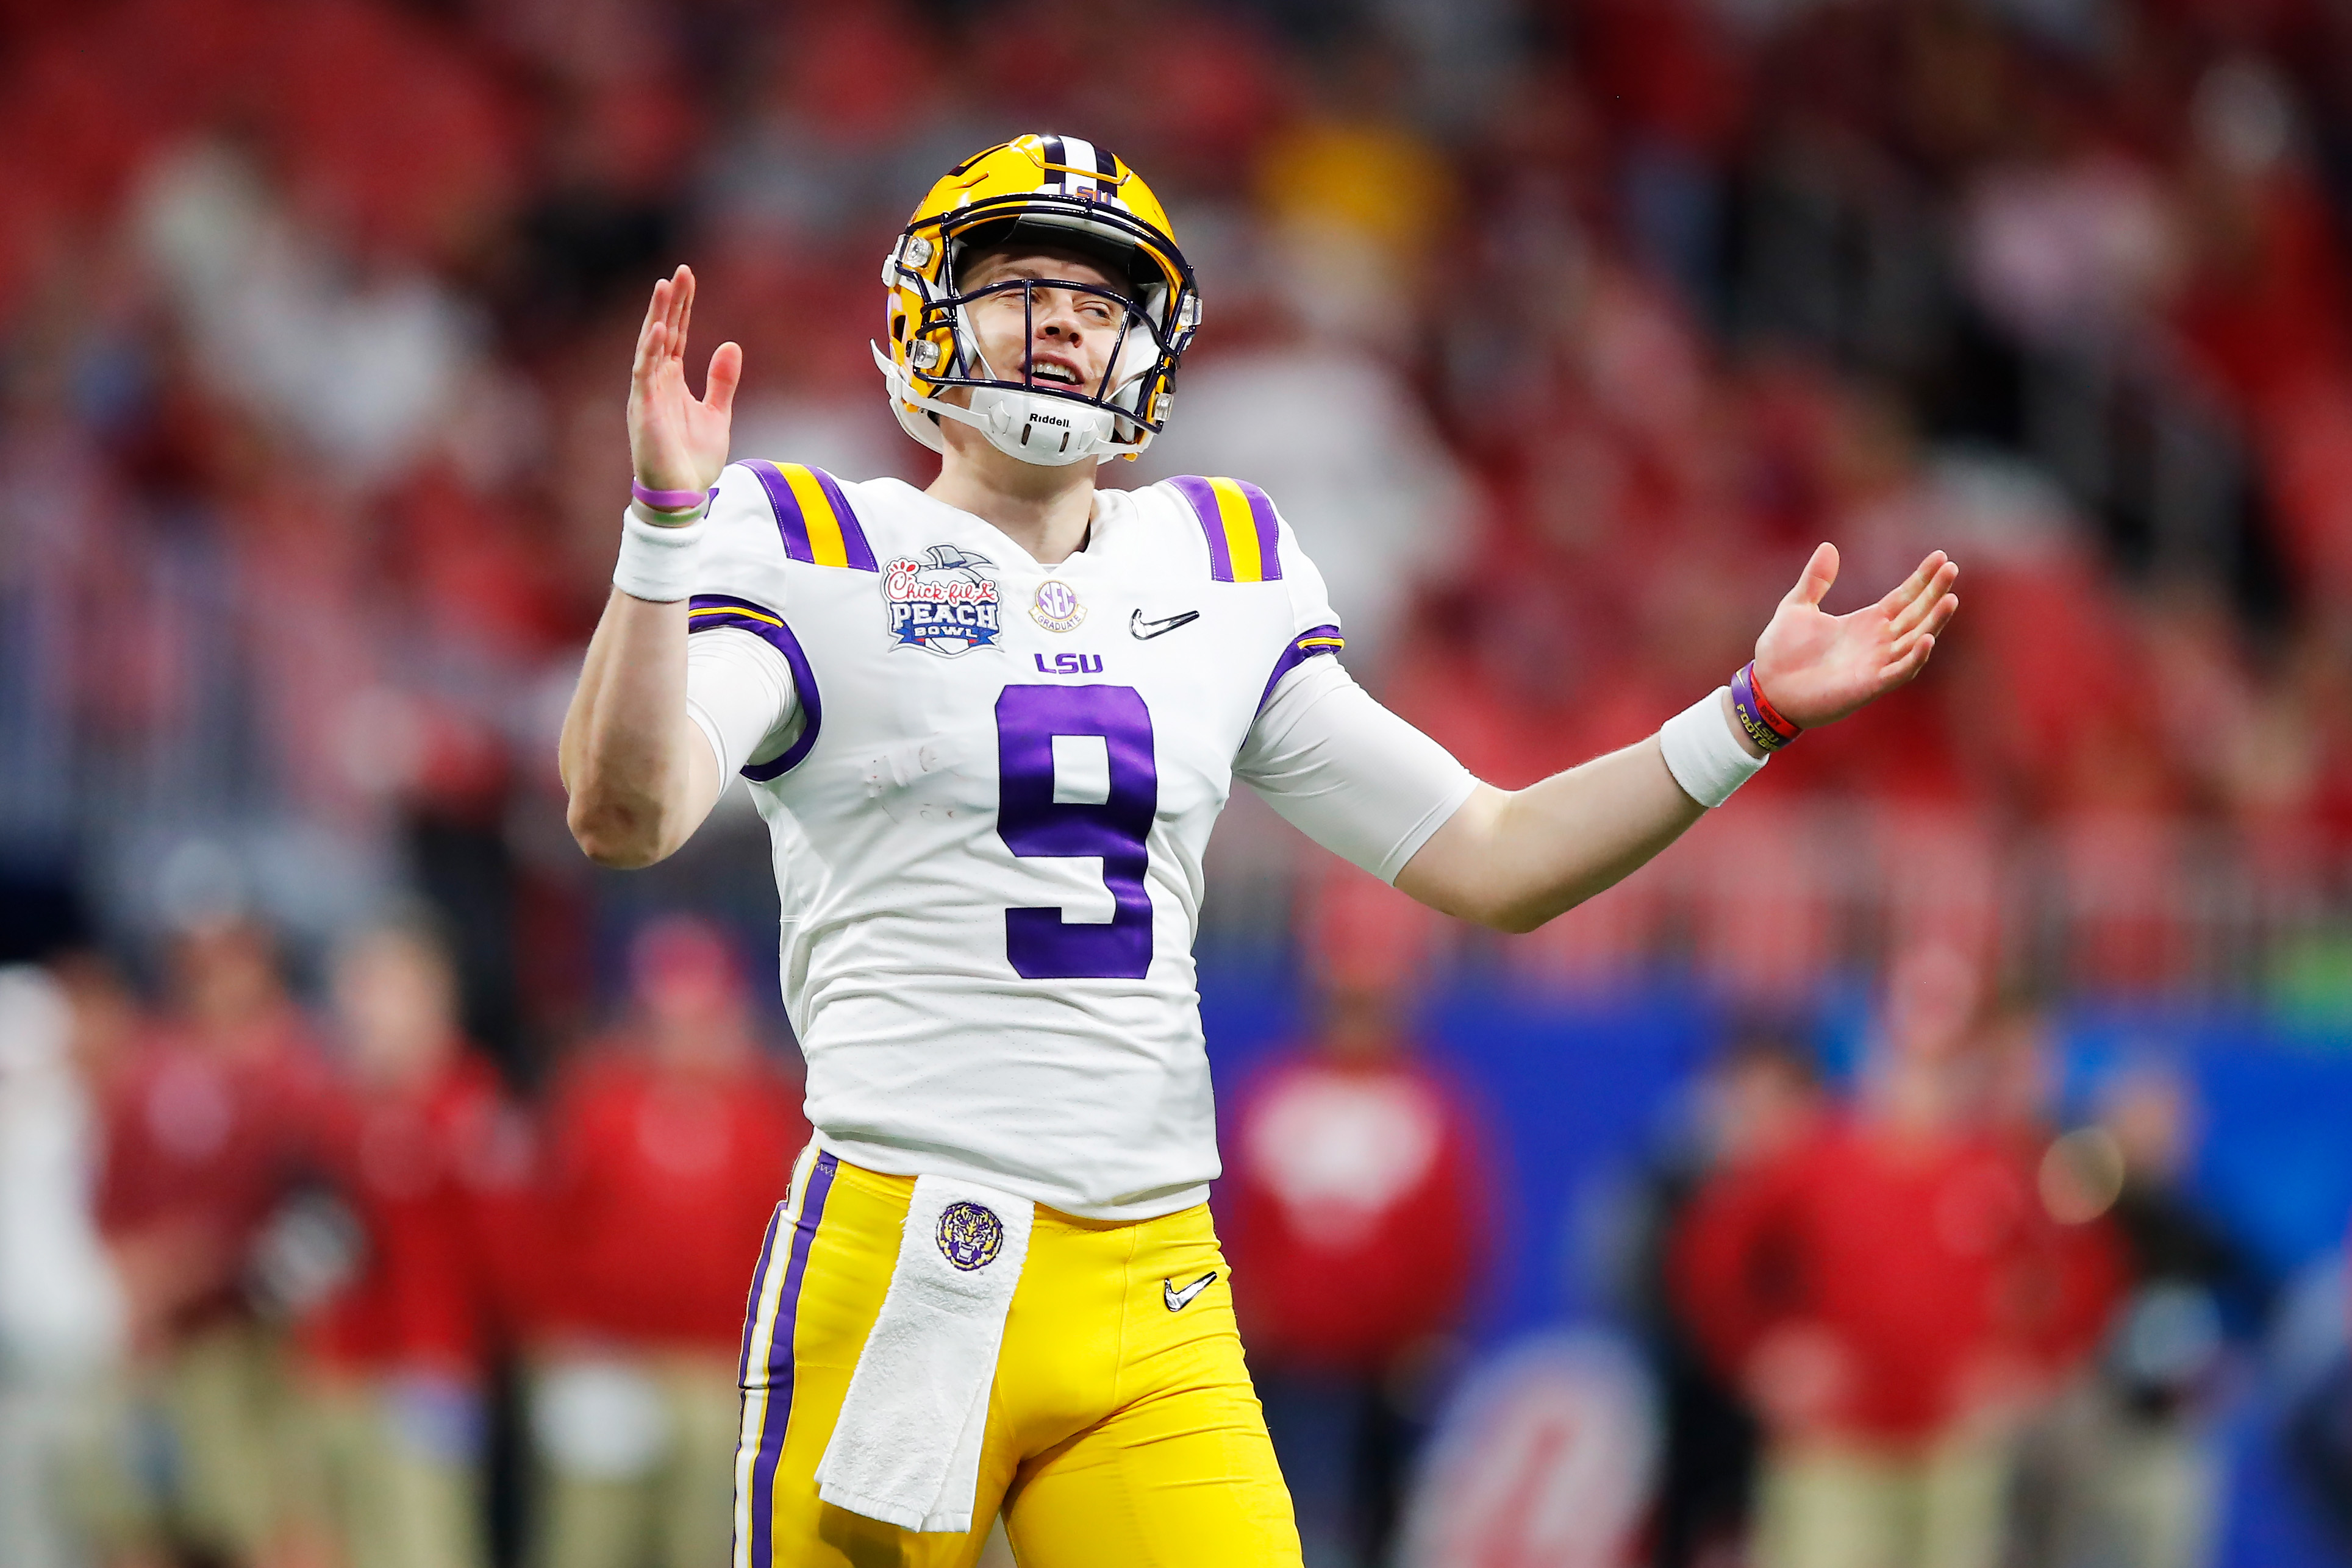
(1079, 155)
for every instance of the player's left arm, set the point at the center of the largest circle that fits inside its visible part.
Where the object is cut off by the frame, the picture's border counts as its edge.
(1514, 859)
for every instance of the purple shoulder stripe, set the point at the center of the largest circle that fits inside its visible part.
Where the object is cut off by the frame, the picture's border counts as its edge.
(1269, 531)
(812, 540)
(1197, 490)
(853, 535)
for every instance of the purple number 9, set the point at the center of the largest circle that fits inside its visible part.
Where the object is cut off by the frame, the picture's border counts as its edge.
(1040, 943)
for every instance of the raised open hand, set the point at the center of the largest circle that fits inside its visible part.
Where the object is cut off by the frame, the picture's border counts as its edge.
(677, 441)
(1817, 667)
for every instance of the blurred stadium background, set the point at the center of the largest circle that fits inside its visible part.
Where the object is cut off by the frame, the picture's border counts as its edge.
(1560, 329)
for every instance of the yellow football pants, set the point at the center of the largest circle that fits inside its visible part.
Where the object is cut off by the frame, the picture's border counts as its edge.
(1120, 1431)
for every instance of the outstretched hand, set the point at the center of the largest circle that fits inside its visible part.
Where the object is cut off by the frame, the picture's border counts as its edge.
(1816, 667)
(677, 441)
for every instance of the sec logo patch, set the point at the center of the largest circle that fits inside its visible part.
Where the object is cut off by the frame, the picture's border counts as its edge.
(971, 1236)
(1057, 606)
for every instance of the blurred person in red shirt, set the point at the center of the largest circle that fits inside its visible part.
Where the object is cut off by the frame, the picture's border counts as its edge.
(669, 1143)
(1357, 1218)
(1896, 1299)
(211, 1137)
(1758, 1099)
(398, 1355)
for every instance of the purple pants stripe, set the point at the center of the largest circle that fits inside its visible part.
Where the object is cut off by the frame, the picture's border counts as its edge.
(780, 1364)
(752, 1306)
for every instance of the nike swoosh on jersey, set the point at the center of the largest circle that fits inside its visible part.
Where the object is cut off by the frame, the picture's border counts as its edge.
(1144, 630)
(1179, 1300)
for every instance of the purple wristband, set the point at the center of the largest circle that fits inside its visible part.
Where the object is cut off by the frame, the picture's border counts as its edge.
(1764, 723)
(669, 500)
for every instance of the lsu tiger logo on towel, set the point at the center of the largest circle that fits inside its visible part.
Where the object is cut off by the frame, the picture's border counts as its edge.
(971, 1235)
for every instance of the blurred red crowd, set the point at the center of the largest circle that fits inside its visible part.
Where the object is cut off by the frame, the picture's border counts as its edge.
(310, 1244)
(331, 300)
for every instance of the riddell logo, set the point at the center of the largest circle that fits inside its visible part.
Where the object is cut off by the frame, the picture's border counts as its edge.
(1056, 422)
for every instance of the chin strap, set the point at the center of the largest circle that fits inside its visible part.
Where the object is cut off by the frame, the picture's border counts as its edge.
(999, 429)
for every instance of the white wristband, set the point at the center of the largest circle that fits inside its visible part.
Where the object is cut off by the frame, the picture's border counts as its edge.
(657, 562)
(1704, 753)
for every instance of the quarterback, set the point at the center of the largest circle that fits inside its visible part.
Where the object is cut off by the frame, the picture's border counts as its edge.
(990, 724)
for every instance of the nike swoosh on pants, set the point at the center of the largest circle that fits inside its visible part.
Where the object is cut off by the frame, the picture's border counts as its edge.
(1179, 1300)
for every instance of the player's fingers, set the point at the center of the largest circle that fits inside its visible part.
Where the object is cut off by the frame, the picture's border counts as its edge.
(726, 374)
(1904, 594)
(1820, 572)
(652, 350)
(1930, 594)
(1910, 663)
(656, 312)
(1941, 615)
(681, 310)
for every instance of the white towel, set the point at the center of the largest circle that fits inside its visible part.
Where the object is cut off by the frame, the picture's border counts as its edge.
(906, 1448)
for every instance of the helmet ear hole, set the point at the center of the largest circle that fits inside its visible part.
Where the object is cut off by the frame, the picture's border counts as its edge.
(898, 326)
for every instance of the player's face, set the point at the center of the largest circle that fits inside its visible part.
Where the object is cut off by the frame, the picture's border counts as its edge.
(1069, 332)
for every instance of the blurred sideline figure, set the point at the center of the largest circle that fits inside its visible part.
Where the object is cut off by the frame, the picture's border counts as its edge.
(1757, 1101)
(1895, 1300)
(397, 1356)
(211, 1149)
(2122, 1473)
(2318, 1431)
(668, 1143)
(1359, 1221)
(61, 1315)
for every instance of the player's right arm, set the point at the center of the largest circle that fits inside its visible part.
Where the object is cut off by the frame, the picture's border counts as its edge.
(639, 772)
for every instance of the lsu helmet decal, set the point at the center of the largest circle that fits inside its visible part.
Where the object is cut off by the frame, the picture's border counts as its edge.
(1051, 191)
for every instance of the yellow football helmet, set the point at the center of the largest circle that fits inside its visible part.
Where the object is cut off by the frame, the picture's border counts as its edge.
(1051, 190)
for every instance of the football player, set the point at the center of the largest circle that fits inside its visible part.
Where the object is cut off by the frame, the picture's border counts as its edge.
(990, 723)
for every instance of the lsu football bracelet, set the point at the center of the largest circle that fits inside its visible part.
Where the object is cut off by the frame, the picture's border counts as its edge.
(1765, 723)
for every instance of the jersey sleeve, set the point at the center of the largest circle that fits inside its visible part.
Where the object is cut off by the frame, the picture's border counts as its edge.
(741, 660)
(1346, 771)
(740, 694)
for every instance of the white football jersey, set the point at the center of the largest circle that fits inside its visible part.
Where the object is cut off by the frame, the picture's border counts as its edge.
(989, 787)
